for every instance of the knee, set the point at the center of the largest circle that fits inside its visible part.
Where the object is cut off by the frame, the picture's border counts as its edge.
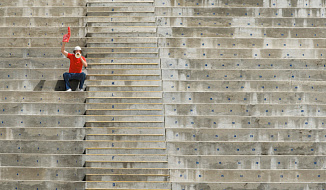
(83, 75)
(65, 75)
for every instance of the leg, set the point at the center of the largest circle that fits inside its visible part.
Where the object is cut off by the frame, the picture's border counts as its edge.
(79, 76)
(82, 80)
(67, 77)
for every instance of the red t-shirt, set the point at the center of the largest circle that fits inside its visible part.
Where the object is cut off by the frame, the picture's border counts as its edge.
(76, 65)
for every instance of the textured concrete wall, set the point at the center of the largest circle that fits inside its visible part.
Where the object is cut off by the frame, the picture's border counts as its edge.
(243, 86)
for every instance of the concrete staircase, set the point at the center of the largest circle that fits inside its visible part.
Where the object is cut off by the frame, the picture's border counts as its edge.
(41, 127)
(243, 85)
(125, 133)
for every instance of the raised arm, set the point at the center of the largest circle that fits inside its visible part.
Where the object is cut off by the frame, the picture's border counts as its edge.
(63, 51)
(65, 39)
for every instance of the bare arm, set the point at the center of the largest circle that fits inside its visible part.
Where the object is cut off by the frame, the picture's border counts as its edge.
(63, 51)
(83, 62)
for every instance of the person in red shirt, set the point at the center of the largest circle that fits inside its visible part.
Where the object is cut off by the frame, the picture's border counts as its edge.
(76, 64)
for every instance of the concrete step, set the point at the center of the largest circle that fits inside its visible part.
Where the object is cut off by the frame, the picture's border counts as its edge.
(245, 148)
(42, 97)
(35, 85)
(30, 52)
(38, 133)
(248, 135)
(123, 65)
(245, 97)
(115, 100)
(128, 151)
(42, 120)
(124, 144)
(27, 42)
(235, 12)
(32, 174)
(127, 164)
(35, 63)
(135, 184)
(123, 76)
(223, 21)
(42, 21)
(126, 112)
(279, 162)
(122, 13)
(122, 60)
(241, 53)
(207, 64)
(122, 45)
(123, 137)
(45, 4)
(42, 109)
(21, 184)
(41, 160)
(121, 83)
(42, 147)
(246, 185)
(127, 8)
(155, 106)
(246, 3)
(17, 9)
(124, 124)
(100, 50)
(123, 118)
(105, 19)
(119, 3)
(122, 29)
(23, 74)
(126, 94)
(43, 32)
(248, 86)
(125, 71)
(256, 176)
(123, 88)
(270, 122)
(117, 40)
(126, 177)
(245, 110)
(119, 23)
(246, 43)
(127, 170)
(120, 34)
(242, 32)
(125, 130)
(123, 54)
(125, 157)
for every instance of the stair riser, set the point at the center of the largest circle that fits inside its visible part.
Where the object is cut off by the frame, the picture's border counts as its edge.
(126, 112)
(41, 134)
(117, 44)
(124, 106)
(108, 24)
(126, 165)
(121, 34)
(126, 178)
(124, 131)
(124, 88)
(124, 77)
(126, 138)
(119, 4)
(125, 158)
(123, 151)
(137, 185)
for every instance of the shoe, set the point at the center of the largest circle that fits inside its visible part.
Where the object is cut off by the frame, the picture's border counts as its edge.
(68, 90)
(81, 90)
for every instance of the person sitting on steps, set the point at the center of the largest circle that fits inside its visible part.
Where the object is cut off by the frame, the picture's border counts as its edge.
(76, 64)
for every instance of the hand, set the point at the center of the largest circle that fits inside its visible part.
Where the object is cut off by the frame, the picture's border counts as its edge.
(66, 37)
